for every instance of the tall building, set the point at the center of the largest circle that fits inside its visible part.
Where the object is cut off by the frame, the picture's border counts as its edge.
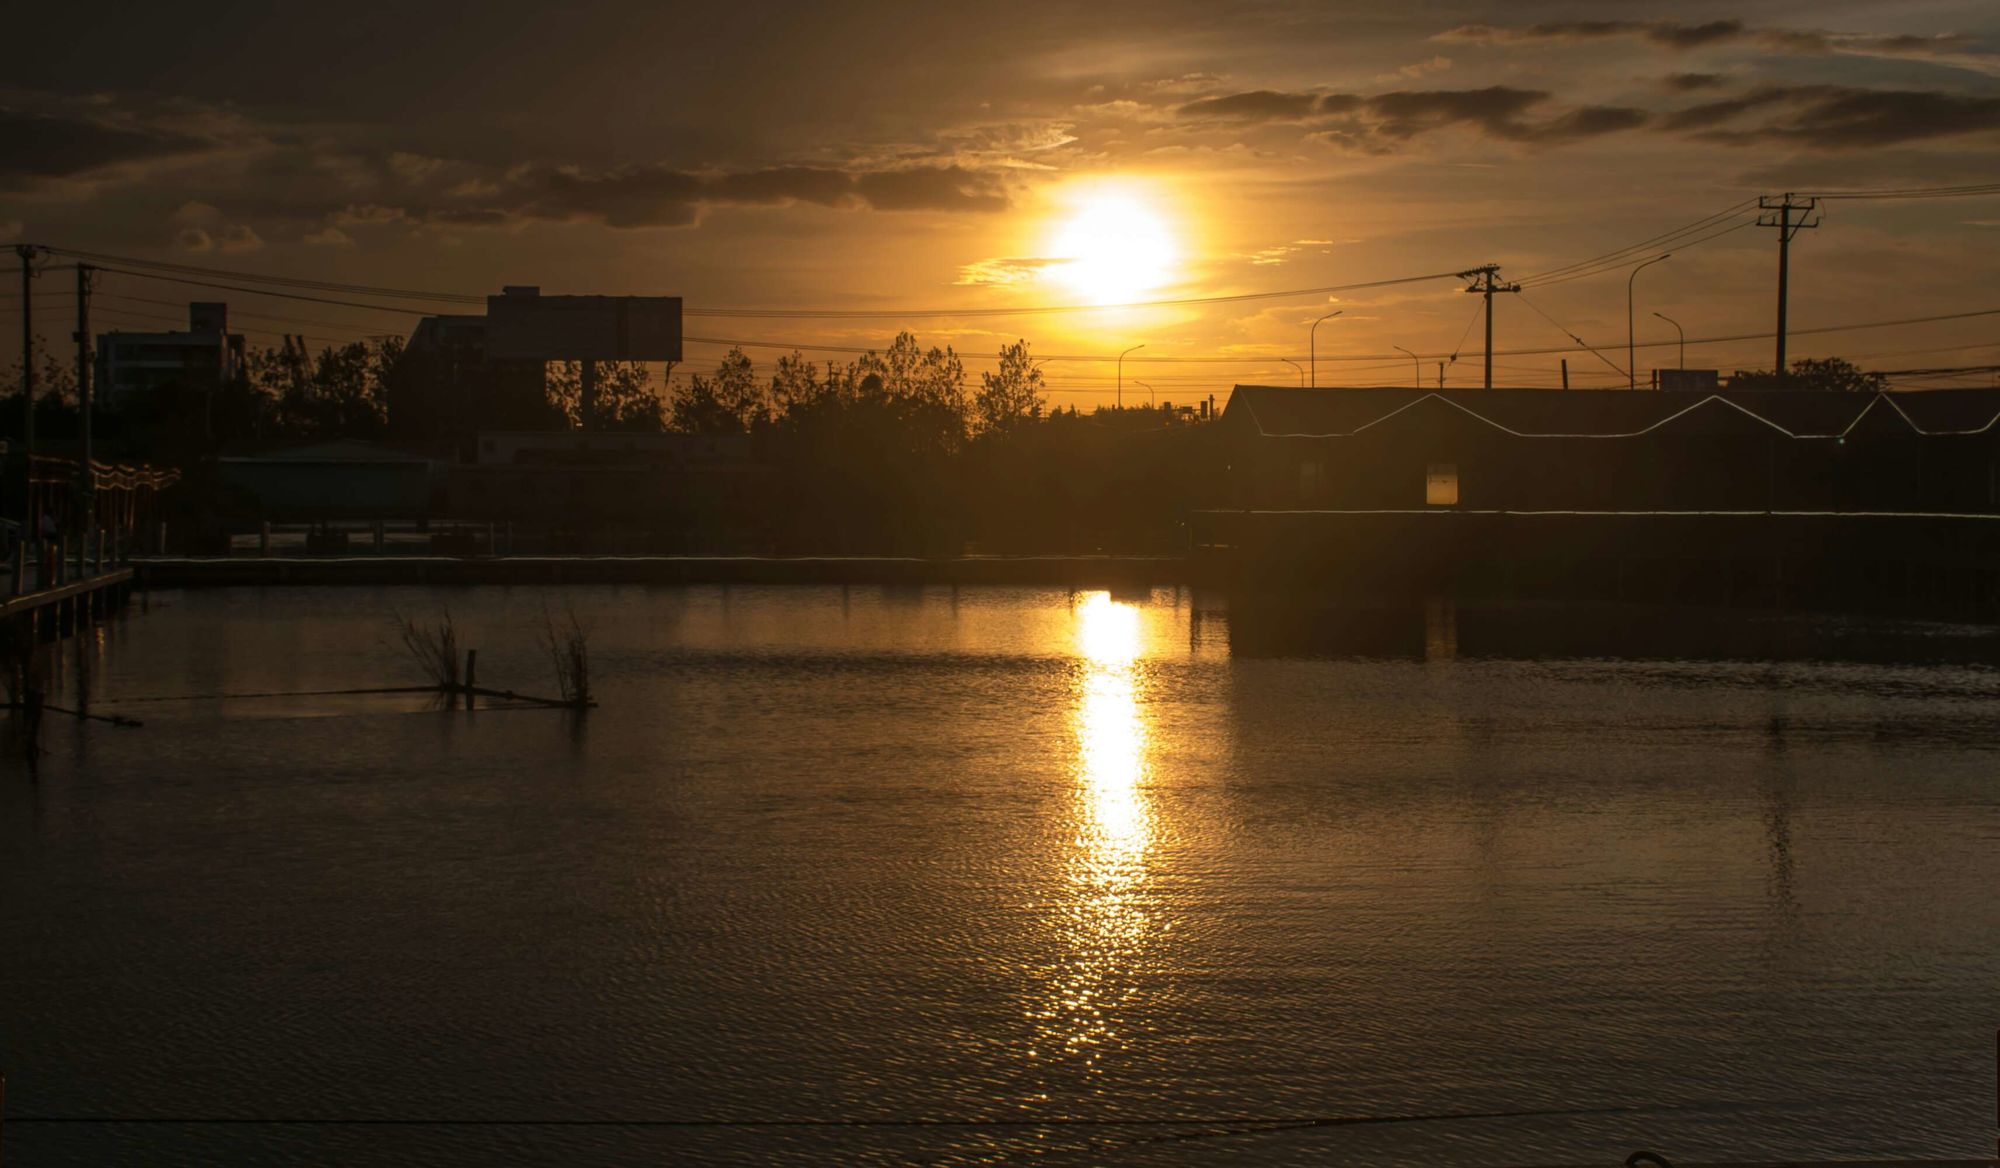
(206, 356)
(445, 389)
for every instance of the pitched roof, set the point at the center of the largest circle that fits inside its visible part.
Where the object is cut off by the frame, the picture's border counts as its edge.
(1284, 412)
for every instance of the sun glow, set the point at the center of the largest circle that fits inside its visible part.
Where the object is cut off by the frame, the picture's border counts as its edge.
(1114, 247)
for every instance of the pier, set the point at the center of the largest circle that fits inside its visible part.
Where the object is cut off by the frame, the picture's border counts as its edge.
(54, 594)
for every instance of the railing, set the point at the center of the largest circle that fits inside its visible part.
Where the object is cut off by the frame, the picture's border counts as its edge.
(39, 565)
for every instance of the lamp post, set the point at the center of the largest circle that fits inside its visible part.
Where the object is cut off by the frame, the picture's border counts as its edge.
(1631, 346)
(1301, 370)
(1312, 342)
(1121, 374)
(1151, 399)
(1419, 382)
(1683, 363)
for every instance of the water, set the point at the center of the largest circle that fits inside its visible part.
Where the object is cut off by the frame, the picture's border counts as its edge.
(997, 855)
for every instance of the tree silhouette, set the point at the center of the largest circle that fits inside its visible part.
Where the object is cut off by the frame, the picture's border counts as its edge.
(1831, 373)
(625, 397)
(1010, 396)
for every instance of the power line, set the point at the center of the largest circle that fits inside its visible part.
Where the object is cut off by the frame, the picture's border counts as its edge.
(1967, 190)
(159, 268)
(1629, 261)
(1572, 336)
(1050, 310)
(1646, 245)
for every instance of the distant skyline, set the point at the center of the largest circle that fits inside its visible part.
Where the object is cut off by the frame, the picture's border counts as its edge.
(874, 155)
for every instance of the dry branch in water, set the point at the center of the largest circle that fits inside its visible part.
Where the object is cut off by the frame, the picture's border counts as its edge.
(569, 651)
(433, 647)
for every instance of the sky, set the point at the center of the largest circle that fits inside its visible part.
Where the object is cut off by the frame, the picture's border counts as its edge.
(960, 158)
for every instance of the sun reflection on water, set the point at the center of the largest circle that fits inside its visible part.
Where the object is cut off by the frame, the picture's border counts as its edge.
(1106, 913)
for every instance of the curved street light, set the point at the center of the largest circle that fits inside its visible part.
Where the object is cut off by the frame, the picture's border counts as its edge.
(1683, 364)
(1297, 366)
(1631, 346)
(1121, 374)
(1151, 399)
(1312, 341)
(1414, 360)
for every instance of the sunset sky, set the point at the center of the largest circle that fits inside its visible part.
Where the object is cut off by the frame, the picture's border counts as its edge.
(866, 156)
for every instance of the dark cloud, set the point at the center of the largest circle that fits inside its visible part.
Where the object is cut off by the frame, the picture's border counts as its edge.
(1670, 33)
(36, 145)
(1693, 36)
(1676, 35)
(1692, 82)
(632, 196)
(1587, 122)
(1406, 113)
(823, 186)
(1258, 105)
(662, 196)
(930, 188)
(1836, 118)
(1379, 122)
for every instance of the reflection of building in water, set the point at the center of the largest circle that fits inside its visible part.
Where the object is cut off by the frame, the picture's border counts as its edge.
(1105, 914)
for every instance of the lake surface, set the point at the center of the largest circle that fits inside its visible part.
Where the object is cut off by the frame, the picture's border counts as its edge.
(827, 862)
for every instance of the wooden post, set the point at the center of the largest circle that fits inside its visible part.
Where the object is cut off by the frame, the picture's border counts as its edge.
(471, 674)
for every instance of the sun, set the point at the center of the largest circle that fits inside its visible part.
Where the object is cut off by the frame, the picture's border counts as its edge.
(1113, 247)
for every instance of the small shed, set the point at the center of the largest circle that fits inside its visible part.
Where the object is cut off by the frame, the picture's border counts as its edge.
(345, 479)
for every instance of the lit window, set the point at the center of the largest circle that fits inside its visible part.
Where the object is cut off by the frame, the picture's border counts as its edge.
(1441, 484)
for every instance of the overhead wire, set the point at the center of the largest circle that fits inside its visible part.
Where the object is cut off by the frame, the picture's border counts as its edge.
(1630, 261)
(1561, 328)
(1653, 243)
(161, 268)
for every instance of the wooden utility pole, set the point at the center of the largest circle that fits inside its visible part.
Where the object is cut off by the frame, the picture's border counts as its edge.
(1779, 215)
(1485, 284)
(26, 252)
(86, 480)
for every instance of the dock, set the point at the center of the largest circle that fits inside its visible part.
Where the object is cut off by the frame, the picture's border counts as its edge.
(1081, 571)
(62, 595)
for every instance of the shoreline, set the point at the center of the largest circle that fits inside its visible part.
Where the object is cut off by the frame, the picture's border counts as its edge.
(1090, 570)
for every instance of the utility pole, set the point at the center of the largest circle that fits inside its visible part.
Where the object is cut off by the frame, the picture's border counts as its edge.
(86, 471)
(1485, 284)
(30, 528)
(1779, 215)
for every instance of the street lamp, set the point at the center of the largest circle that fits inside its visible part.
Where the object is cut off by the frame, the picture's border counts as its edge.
(1151, 400)
(1419, 383)
(1121, 374)
(1312, 337)
(1297, 366)
(1683, 335)
(1631, 347)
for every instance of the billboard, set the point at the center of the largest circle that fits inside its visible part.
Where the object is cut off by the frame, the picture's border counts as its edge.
(524, 325)
(1688, 380)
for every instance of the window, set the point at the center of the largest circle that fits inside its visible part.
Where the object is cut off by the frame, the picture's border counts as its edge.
(1310, 472)
(1441, 484)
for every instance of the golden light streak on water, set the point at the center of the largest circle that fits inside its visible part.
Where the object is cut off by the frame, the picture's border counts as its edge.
(1106, 915)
